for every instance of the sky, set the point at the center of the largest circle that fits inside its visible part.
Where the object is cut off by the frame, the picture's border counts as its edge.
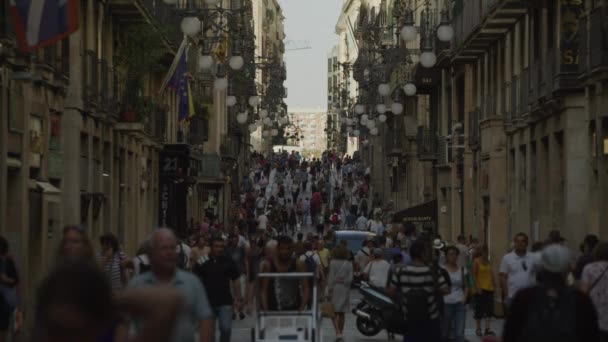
(314, 21)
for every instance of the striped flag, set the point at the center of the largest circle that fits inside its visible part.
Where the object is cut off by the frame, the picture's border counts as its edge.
(170, 79)
(40, 23)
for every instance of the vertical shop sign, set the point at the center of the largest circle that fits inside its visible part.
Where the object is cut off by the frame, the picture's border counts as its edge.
(571, 13)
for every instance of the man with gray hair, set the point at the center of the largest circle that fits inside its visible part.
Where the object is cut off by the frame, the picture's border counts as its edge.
(196, 315)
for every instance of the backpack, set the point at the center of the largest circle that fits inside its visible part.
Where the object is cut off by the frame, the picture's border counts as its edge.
(557, 311)
(311, 264)
(182, 260)
(335, 219)
(143, 267)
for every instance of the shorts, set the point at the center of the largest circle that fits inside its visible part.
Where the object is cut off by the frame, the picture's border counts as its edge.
(484, 305)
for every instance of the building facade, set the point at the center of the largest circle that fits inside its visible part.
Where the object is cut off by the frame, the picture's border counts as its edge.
(312, 126)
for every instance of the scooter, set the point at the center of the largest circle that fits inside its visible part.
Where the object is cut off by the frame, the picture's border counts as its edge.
(377, 311)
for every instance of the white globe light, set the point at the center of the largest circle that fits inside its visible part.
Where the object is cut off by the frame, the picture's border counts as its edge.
(191, 26)
(274, 132)
(205, 62)
(355, 119)
(364, 122)
(212, 2)
(342, 120)
(364, 117)
(265, 134)
(263, 113)
(253, 127)
(242, 117)
(409, 89)
(445, 33)
(382, 118)
(349, 129)
(397, 108)
(254, 101)
(267, 121)
(259, 123)
(371, 124)
(359, 109)
(236, 62)
(381, 108)
(373, 131)
(230, 100)
(428, 59)
(349, 121)
(408, 33)
(220, 84)
(365, 142)
(384, 89)
(356, 132)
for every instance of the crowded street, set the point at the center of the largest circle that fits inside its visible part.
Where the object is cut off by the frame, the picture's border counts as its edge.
(303, 170)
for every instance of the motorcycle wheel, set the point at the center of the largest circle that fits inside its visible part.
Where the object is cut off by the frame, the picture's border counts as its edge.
(368, 327)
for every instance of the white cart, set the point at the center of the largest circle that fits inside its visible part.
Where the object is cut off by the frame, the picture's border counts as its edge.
(280, 326)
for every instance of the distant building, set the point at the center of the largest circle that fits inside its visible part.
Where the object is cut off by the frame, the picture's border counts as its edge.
(312, 125)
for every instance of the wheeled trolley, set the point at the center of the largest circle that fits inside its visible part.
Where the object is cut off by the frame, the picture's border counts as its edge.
(297, 326)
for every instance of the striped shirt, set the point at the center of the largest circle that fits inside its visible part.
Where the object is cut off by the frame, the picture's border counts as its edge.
(408, 278)
(113, 269)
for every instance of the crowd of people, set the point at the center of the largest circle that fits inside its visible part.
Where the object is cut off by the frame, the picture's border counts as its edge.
(285, 220)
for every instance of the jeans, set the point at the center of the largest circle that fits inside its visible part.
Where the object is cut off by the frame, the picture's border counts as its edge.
(454, 316)
(223, 314)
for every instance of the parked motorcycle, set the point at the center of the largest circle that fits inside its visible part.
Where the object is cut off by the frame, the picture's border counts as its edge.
(377, 311)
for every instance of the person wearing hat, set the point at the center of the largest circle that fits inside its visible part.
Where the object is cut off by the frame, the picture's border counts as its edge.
(377, 269)
(550, 310)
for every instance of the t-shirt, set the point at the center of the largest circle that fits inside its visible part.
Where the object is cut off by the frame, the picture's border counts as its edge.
(324, 256)
(457, 293)
(138, 261)
(418, 277)
(361, 223)
(518, 269)
(216, 275)
(599, 293)
(315, 257)
(262, 222)
(113, 269)
(237, 254)
(377, 271)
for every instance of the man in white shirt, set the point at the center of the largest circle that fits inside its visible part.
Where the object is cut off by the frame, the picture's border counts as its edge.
(262, 222)
(516, 268)
(361, 223)
(377, 270)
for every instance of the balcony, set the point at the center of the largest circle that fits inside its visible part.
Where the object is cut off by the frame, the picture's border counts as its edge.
(594, 47)
(161, 15)
(478, 25)
(427, 144)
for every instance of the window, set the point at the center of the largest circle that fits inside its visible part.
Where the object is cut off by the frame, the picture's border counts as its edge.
(16, 110)
(536, 33)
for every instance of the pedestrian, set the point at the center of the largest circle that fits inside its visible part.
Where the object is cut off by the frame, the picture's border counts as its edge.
(220, 274)
(277, 294)
(338, 284)
(376, 271)
(483, 301)
(515, 268)
(75, 303)
(9, 282)
(238, 254)
(196, 315)
(418, 286)
(141, 262)
(75, 243)
(587, 255)
(594, 282)
(463, 255)
(551, 310)
(454, 302)
(113, 261)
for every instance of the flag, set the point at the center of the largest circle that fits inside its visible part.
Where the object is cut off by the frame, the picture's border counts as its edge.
(170, 78)
(180, 83)
(40, 23)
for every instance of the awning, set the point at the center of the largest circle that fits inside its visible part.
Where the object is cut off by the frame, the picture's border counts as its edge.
(426, 212)
(50, 192)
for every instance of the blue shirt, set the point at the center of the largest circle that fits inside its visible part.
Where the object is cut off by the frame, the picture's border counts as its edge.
(196, 305)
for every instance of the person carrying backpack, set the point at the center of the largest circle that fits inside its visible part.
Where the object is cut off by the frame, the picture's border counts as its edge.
(418, 286)
(552, 311)
(312, 261)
